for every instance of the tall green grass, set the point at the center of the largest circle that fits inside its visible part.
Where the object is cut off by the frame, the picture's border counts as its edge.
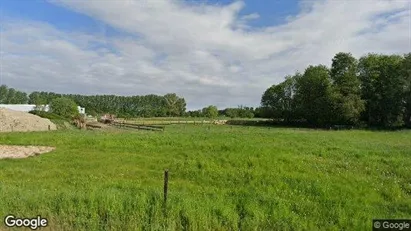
(221, 178)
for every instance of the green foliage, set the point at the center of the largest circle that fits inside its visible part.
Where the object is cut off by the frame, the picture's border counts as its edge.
(47, 115)
(231, 112)
(383, 89)
(240, 112)
(314, 95)
(196, 113)
(64, 107)
(406, 74)
(279, 99)
(175, 106)
(130, 106)
(347, 101)
(12, 96)
(210, 111)
(94, 113)
(376, 90)
(221, 178)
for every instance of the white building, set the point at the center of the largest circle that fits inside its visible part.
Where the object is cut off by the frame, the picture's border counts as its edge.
(31, 107)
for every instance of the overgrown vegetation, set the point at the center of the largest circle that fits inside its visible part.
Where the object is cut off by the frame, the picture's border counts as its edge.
(64, 107)
(221, 178)
(47, 115)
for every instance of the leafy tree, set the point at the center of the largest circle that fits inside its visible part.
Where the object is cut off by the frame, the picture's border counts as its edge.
(348, 104)
(11, 96)
(240, 112)
(279, 99)
(383, 89)
(175, 105)
(261, 112)
(314, 95)
(64, 107)
(406, 73)
(197, 113)
(20, 97)
(210, 111)
(231, 112)
(3, 94)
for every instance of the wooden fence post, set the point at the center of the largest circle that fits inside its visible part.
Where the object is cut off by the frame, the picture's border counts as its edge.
(49, 127)
(165, 186)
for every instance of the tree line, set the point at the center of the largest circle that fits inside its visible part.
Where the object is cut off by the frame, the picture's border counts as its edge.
(125, 106)
(12, 96)
(212, 112)
(374, 90)
(122, 106)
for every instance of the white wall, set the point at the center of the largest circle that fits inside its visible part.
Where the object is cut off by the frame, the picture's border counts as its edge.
(20, 107)
(30, 107)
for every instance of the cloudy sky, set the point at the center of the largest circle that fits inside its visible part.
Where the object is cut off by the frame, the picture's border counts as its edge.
(222, 52)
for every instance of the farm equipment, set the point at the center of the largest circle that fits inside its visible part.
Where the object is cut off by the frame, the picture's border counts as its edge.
(107, 119)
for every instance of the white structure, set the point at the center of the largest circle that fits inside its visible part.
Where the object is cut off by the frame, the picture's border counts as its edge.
(31, 107)
(81, 110)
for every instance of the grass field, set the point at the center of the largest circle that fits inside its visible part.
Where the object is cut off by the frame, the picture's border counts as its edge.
(221, 178)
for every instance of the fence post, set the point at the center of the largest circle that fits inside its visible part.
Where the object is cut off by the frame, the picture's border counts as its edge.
(49, 127)
(165, 186)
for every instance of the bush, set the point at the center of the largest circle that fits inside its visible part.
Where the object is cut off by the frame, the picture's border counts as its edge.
(64, 107)
(47, 115)
(210, 111)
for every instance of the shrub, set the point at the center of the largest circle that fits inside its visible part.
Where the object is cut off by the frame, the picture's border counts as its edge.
(47, 115)
(64, 107)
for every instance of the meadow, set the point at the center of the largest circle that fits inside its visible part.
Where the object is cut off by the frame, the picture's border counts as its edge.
(221, 178)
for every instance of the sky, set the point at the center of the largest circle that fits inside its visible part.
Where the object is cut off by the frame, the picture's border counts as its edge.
(224, 53)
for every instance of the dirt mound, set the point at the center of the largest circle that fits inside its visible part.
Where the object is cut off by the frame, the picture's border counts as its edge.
(13, 151)
(17, 121)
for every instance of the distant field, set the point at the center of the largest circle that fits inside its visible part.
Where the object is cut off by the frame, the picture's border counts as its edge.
(189, 119)
(221, 178)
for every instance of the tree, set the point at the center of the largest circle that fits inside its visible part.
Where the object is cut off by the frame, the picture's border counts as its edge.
(64, 107)
(175, 105)
(210, 111)
(406, 73)
(279, 99)
(11, 96)
(314, 95)
(348, 104)
(383, 89)
(20, 97)
(197, 113)
(231, 112)
(3, 94)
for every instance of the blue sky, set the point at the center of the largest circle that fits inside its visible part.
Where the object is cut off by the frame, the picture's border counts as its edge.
(210, 52)
(271, 13)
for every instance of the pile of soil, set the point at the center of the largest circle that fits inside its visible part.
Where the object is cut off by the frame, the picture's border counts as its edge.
(17, 121)
(14, 151)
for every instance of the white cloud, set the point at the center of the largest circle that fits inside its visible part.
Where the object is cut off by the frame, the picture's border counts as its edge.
(205, 53)
(250, 16)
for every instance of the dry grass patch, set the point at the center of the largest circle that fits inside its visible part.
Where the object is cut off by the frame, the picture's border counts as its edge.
(14, 151)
